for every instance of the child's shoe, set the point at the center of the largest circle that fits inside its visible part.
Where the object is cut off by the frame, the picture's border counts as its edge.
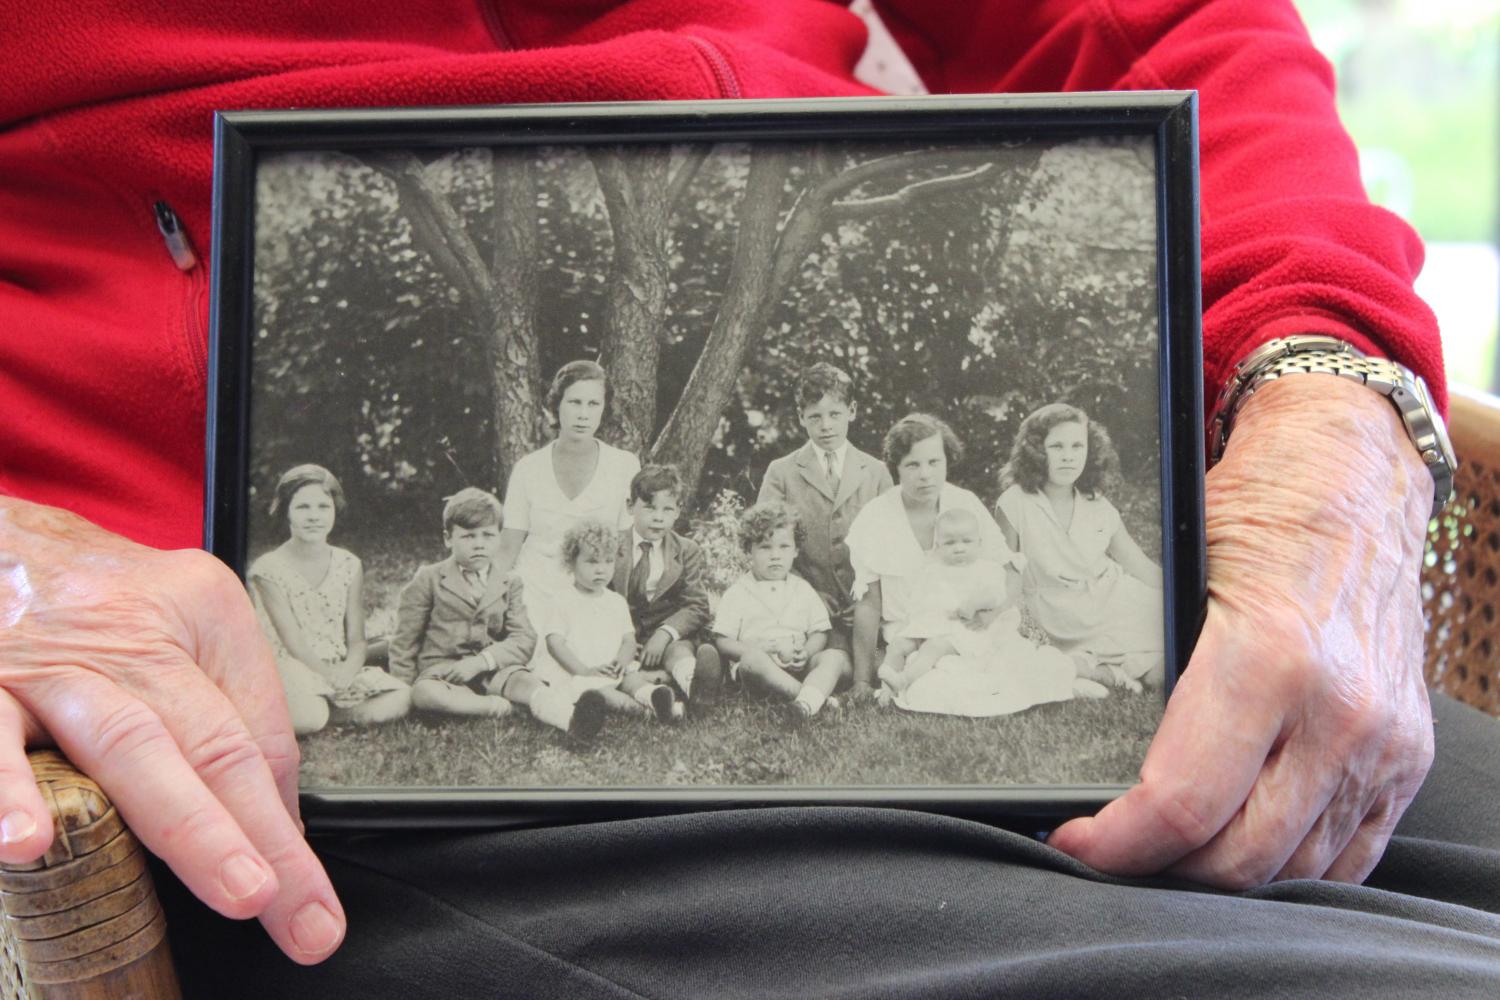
(588, 716)
(662, 701)
(708, 680)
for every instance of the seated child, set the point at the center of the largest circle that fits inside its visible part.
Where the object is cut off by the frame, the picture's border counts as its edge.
(661, 576)
(317, 630)
(954, 588)
(590, 641)
(462, 633)
(772, 626)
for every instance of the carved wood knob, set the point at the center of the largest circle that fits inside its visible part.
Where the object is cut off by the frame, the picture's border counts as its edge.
(82, 921)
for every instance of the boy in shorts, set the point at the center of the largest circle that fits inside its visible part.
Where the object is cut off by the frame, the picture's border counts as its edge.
(772, 626)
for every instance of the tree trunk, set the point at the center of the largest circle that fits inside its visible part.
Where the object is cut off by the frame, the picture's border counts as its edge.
(636, 193)
(515, 365)
(748, 298)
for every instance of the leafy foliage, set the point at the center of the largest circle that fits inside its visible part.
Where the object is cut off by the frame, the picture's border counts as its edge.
(975, 283)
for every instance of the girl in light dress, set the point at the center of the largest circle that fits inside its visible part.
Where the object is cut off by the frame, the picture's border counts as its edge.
(309, 596)
(1086, 581)
(590, 646)
(574, 478)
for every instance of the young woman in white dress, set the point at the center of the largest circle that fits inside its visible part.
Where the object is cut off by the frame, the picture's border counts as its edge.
(574, 478)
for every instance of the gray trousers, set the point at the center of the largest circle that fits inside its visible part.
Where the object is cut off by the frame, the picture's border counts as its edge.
(843, 902)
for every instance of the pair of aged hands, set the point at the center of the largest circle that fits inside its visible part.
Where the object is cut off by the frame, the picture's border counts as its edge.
(1289, 749)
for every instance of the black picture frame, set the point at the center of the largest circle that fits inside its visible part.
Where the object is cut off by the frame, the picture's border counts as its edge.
(1167, 121)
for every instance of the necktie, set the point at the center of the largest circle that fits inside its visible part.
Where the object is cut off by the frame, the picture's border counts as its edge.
(641, 573)
(475, 583)
(833, 472)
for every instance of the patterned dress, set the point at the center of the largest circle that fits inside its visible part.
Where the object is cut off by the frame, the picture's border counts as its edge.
(319, 610)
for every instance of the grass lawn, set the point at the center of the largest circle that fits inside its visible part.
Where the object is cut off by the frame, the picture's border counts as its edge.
(743, 742)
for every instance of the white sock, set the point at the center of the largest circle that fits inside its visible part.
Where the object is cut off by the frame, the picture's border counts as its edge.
(682, 671)
(643, 695)
(551, 706)
(812, 698)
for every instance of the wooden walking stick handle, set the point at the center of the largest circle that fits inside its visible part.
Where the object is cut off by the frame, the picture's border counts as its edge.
(82, 922)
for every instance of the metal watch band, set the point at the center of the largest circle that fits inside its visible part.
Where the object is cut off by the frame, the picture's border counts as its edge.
(1312, 353)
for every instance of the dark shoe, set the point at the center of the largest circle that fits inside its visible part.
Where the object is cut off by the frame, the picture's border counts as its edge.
(662, 700)
(588, 716)
(708, 680)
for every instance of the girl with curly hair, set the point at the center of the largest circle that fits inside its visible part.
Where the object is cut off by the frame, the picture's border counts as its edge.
(1086, 581)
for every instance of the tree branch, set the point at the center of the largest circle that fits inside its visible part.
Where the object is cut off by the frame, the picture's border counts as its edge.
(683, 176)
(436, 228)
(863, 208)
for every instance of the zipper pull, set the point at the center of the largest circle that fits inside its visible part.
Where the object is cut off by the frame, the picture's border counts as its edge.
(178, 244)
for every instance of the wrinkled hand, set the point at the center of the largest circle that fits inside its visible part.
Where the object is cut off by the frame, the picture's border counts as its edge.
(654, 649)
(1301, 729)
(149, 670)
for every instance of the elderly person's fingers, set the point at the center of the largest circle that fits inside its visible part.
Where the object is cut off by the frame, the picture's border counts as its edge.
(25, 821)
(1206, 757)
(124, 745)
(198, 793)
(227, 642)
(1365, 848)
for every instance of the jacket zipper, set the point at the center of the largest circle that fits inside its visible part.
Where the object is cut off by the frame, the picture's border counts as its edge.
(180, 248)
(489, 10)
(718, 64)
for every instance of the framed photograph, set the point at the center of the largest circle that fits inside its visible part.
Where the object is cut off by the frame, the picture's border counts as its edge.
(596, 460)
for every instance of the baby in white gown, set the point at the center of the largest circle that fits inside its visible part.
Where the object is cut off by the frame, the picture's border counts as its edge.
(955, 587)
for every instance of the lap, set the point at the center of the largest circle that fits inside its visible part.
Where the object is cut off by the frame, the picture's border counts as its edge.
(935, 904)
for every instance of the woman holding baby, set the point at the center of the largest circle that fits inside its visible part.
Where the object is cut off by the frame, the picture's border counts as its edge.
(892, 545)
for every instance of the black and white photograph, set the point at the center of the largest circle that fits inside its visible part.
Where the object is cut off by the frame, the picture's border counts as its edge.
(816, 461)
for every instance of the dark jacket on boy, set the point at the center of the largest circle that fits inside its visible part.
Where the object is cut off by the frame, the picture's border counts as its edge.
(800, 481)
(681, 599)
(441, 619)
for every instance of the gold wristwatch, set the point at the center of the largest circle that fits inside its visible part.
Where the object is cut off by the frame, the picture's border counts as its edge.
(1328, 355)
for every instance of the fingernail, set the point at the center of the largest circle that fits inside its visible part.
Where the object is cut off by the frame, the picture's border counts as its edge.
(315, 930)
(242, 876)
(17, 825)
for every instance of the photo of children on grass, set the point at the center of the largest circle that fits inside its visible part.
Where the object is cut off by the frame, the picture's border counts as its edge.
(817, 463)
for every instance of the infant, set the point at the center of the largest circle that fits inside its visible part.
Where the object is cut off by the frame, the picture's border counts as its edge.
(948, 597)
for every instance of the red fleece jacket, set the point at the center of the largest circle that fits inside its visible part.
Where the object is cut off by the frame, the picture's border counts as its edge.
(106, 108)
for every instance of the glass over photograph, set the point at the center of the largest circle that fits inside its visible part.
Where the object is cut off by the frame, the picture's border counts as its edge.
(830, 463)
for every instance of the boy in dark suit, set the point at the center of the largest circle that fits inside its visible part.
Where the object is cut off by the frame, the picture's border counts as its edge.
(826, 481)
(660, 573)
(462, 632)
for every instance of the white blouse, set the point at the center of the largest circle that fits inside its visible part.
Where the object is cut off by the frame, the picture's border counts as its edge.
(536, 504)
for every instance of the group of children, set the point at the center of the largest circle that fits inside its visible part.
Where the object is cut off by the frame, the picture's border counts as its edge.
(635, 634)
